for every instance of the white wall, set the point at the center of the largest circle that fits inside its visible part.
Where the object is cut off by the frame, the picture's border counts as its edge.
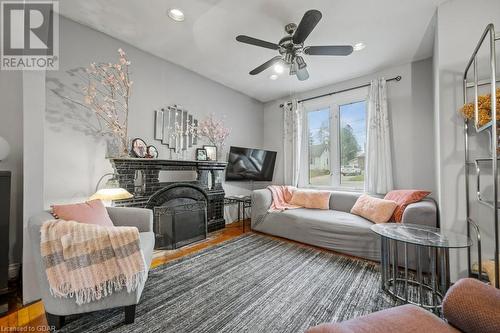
(33, 169)
(74, 158)
(460, 23)
(11, 129)
(411, 116)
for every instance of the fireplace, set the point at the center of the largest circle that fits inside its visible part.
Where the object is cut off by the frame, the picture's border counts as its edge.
(180, 215)
(141, 177)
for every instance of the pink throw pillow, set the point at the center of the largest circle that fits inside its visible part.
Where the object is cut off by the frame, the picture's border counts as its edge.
(311, 199)
(91, 212)
(374, 209)
(403, 198)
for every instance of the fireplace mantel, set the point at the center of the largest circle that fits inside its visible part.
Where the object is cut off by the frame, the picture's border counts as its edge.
(158, 161)
(126, 170)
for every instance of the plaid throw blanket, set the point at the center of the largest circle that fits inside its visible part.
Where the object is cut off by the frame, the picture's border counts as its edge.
(89, 262)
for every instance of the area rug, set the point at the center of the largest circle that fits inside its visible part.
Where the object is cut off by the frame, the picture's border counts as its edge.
(252, 284)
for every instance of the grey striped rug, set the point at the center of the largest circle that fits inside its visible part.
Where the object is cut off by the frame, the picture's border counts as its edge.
(253, 283)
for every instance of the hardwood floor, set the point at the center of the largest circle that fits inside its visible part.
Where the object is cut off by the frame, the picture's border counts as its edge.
(31, 318)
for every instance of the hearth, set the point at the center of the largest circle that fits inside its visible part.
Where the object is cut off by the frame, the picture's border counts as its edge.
(180, 215)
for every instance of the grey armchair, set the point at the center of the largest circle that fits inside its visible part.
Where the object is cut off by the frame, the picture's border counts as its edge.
(57, 308)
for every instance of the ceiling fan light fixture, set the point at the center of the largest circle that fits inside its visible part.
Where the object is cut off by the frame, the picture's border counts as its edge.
(293, 68)
(291, 47)
(278, 68)
(359, 46)
(301, 64)
(273, 77)
(176, 14)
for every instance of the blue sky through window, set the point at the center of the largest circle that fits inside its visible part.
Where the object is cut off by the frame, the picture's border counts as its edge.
(354, 114)
(316, 119)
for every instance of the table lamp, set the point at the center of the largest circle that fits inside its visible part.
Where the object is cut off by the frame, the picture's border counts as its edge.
(111, 191)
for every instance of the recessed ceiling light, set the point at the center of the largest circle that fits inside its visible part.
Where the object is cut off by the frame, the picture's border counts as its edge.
(278, 68)
(359, 46)
(176, 14)
(273, 77)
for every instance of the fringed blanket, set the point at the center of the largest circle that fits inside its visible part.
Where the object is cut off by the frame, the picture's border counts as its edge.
(88, 262)
(281, 198)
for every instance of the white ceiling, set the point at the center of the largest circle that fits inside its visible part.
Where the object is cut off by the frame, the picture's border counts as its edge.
(395, 32)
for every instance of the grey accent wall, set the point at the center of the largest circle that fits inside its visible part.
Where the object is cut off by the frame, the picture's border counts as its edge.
(460, 23)
(11, 129)
(411, 115)
(75, 151)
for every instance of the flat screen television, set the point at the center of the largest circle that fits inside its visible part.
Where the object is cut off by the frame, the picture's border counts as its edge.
(250, 164)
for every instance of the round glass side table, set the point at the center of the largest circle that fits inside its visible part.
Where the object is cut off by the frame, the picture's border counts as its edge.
(431, 247)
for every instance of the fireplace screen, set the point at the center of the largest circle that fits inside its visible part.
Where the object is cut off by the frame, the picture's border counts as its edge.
(179, 225)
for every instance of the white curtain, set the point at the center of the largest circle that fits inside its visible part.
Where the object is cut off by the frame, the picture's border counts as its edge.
(378, 172)
(292, 138)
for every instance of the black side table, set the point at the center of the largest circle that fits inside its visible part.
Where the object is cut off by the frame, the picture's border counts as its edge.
(243, 203)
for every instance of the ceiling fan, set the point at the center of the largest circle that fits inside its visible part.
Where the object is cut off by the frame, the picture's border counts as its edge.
(291, 47)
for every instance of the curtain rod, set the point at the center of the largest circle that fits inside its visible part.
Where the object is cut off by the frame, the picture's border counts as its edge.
(396, 78)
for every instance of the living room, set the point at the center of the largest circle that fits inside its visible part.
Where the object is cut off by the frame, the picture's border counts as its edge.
(174, 166)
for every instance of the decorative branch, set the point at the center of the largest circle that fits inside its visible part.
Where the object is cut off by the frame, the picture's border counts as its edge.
(214, 130)
(107, 94)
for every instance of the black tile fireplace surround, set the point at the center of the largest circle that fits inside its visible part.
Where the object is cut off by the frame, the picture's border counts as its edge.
(209, 179)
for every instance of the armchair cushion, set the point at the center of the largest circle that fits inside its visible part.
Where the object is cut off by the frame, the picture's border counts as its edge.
(91, 212)
(405, 318)
(473, 306)
(132, 217)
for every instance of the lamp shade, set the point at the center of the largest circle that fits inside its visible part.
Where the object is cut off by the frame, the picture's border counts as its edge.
(110, 194)
(4, 149)
(111, 191)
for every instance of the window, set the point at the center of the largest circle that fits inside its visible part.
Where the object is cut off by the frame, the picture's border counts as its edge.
(319, 146)
(335, 143)
(352, 144)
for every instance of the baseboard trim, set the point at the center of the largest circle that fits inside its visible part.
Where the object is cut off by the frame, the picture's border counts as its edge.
(14, 270)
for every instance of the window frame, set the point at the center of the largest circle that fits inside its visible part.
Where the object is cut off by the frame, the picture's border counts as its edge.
(333, 102)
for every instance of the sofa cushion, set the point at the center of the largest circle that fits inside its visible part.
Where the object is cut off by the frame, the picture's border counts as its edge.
(311, 199)
(374, 209)
(343, 201)
(403, 198)
(331, 218)
(339, 231)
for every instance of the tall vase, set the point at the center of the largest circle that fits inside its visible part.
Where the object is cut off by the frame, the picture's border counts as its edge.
(219, 154)
(117, 148)
(125, 146)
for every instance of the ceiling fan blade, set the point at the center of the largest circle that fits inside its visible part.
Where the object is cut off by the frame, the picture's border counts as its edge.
(256, 42)
(265, 65)
(334, 50)
(306, 25)
(302, 74)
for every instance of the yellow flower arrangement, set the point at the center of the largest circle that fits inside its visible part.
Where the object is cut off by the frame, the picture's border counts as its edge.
(484, 108)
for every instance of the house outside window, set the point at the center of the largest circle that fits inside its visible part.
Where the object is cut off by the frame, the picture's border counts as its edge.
(335, 141)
